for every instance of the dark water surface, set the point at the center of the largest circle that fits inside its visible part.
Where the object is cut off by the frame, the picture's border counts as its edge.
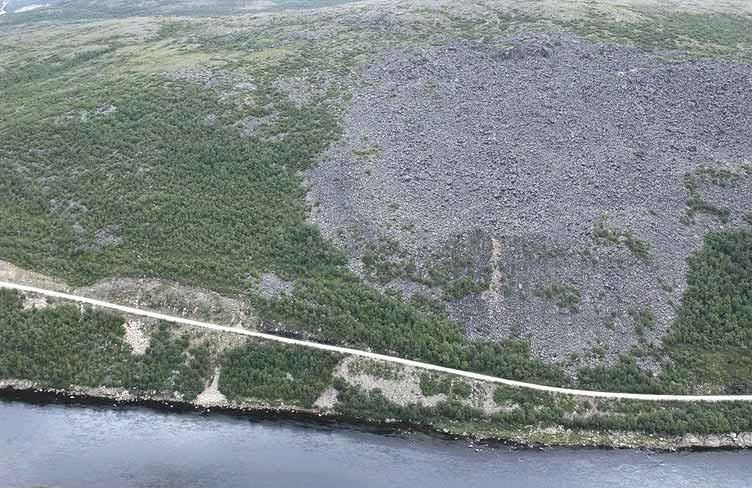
(76, 446)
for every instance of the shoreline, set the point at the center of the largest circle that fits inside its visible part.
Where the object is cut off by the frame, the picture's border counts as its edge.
(519, 438)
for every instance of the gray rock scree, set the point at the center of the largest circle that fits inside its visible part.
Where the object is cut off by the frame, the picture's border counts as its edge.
(532, 141)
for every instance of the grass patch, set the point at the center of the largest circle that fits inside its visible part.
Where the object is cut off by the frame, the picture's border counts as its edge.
(385, 261)
(367, 152)
(566, 296)
(711, 35)
(696, 204)
(434, 384)
(644, 319)
(606, 235)
(463, 267)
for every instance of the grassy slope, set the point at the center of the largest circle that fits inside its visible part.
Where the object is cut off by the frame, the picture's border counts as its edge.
(98, 9)
(161, 188)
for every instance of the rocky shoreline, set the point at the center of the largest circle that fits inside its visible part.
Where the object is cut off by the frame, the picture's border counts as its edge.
(475, 436)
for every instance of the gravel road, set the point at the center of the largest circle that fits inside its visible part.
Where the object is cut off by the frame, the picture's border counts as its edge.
(371, 355)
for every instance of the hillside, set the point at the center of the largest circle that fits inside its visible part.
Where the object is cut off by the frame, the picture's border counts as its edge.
(556, 192)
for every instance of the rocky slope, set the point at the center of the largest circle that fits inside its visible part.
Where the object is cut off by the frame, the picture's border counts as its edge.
(587, 173)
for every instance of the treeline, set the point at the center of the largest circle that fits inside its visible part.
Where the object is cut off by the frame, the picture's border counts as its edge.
(716, 308)
(669, 417)
(170, 364)
(60, 346)
(709, 344)
(341, 309)
(624, 376)
(711, 341)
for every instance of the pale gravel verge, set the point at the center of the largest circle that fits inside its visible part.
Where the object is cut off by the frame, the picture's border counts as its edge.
(327, 400)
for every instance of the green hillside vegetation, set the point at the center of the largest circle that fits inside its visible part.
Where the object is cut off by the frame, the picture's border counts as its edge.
(153, 189)
(68, 10)
(523, 408)
(115, 162)
(166, 186)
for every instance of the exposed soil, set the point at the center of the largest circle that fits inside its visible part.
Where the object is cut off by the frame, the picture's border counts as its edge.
(14, 274)
(211, 396)
(402, 390)
(136, 336)
(272, 286)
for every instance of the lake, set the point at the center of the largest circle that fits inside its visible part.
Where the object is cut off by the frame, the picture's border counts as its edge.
(88, 446)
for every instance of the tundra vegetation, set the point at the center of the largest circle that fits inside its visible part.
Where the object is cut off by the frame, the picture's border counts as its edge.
(153, 142)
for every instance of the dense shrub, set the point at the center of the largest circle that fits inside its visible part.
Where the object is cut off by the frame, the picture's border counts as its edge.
(711, 340)
(276, 372)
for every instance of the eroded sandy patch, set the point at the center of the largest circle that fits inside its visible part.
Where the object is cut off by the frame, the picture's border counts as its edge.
(174, 299)
(327, 400)
(33, 302)
(136, 337)
(211, 396)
